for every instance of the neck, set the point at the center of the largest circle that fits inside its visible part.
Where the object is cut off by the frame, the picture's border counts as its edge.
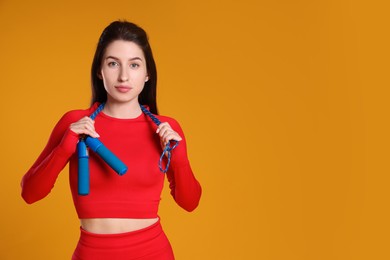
(122, 110)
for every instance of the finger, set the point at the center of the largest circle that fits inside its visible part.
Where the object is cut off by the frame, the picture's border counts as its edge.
(84, 126)
(85, 131)
(171, 136)
(84, 121)
(162, 126)
(165, 129)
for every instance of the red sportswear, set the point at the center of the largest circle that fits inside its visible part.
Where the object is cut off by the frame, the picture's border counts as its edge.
(135, 194)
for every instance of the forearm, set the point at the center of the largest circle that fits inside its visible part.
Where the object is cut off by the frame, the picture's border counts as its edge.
(38, 181)
(41, 177)
(185, 189)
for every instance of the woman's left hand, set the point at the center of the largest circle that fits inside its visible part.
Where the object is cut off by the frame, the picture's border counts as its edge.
(166, 133)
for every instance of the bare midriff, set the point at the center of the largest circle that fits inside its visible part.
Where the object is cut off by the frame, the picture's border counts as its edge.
(115, 225)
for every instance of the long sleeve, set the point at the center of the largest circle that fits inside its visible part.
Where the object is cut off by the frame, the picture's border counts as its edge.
(184, 187)
(41, 177)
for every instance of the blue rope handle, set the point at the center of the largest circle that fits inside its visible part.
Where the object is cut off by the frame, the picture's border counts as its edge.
(94, 144)
(168, 148)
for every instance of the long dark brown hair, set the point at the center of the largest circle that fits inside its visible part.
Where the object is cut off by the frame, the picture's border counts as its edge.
(123, 30)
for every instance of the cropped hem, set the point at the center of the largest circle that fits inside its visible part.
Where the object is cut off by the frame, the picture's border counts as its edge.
(118, 210)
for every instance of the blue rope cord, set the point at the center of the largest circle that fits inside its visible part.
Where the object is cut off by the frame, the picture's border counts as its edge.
(168, 148)
(97, 111)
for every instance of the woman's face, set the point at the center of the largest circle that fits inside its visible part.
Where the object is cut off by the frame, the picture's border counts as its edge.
(123, 71)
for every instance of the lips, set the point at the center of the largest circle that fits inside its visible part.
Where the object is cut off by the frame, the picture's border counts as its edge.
(123, 89)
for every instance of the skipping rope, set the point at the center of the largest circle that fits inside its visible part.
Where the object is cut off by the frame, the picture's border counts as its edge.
(111, 159)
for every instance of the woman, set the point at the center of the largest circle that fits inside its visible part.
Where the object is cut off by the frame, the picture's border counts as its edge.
(119, 217)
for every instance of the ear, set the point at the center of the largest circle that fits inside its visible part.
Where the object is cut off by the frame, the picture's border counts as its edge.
(147, 78)
(99, 75)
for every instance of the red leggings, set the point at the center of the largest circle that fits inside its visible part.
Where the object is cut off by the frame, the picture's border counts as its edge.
(149, 243)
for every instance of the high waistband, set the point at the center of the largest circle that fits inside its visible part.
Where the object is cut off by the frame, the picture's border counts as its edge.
(147, 243)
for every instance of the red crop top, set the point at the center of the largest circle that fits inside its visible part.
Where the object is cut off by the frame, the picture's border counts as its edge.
(135, 194)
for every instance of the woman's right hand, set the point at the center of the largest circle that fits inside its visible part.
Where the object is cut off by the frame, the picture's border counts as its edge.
(85, 126)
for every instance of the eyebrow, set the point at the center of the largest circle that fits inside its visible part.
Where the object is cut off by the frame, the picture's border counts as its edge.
(115, 58)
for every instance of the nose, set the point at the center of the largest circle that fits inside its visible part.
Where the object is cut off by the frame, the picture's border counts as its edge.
(123, 76)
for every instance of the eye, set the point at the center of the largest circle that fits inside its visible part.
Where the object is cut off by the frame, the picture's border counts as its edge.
(134, 65)
(112, 64)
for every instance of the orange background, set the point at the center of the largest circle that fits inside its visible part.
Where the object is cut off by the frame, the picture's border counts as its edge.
(284, 104)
